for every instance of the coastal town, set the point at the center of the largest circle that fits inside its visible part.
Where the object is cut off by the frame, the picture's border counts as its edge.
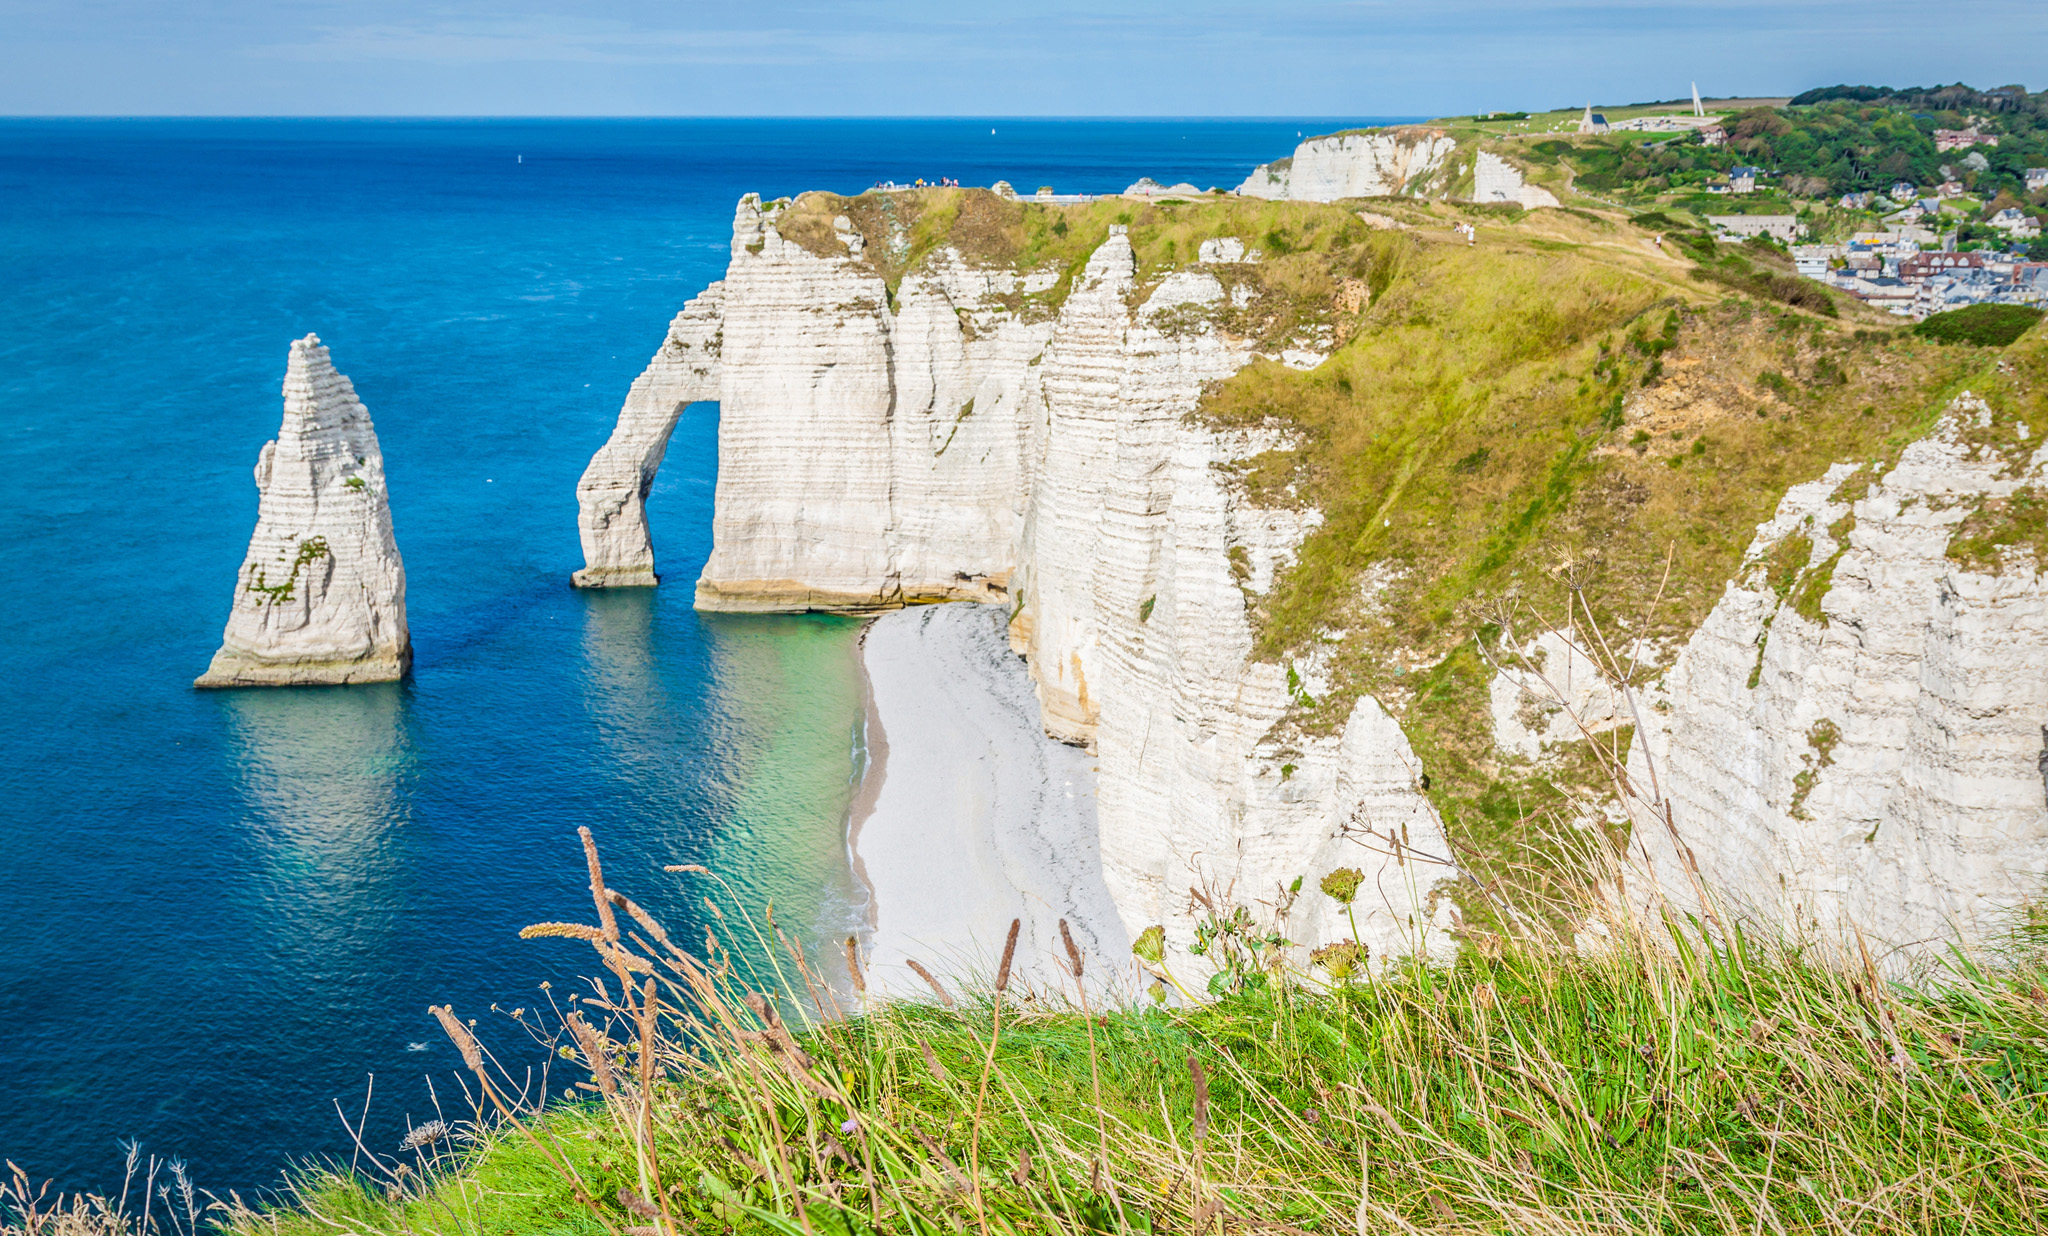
(1913, 201)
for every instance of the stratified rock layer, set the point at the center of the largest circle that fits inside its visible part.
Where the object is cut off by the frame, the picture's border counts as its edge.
(869, 456)
(320, 598)
(1878, 766)
(611, 498)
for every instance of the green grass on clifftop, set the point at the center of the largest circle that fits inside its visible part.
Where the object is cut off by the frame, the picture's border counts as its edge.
(1643, 1083)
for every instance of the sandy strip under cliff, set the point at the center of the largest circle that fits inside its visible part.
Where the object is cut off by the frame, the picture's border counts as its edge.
(970, 816)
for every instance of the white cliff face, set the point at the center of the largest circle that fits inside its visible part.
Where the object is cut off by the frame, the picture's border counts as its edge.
(1377, 164)
(1494, 179)
(321, 594)
(1881, 768)
(611, 498)
(947, 449)
(1139, 562)
(869, 456)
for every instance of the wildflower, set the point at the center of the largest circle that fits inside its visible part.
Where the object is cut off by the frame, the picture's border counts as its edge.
(1338, 959)
(1342, 884)
(1150, 945)
(849, 1126)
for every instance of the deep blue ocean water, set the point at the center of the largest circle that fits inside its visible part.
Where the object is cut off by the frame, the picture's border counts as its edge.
(221, 912)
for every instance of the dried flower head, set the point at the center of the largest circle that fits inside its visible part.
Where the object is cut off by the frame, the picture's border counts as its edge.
(425, 1135)
(1073, 951)
(1342, 884)
(472, 1053)
(1338, 959)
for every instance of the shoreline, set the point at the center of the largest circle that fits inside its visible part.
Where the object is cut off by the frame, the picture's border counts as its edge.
(874, 770)
(968, 815)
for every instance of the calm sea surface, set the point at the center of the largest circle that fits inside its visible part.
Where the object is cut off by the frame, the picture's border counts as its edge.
(220, 913)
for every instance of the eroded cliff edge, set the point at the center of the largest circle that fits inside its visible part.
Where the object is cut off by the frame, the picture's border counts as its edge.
(1256, 520)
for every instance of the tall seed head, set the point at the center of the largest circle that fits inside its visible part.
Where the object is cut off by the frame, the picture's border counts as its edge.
(860, 982)
(606, 921)
(472, 1055)
(944, 998)
(1073, 952)
(1009, 955)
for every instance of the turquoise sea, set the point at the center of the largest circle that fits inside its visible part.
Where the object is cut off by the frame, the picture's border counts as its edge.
(222, 913)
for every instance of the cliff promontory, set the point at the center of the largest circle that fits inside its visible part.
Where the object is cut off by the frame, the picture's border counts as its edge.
(320, 598)
(1275, 495)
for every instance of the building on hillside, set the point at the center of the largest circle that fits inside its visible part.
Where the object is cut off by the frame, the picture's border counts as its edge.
(1714, 135)
(1891, 295)
(1961, 139)
(2030, 283)
(1659, 124)
(1592, 122)
(1814, 261)
(2015, 222)
(1903, 191)
(1786, 228)
(1923, 266)
(1950, 188)
(2036, 178)
(1743, 179)
(1857, 201)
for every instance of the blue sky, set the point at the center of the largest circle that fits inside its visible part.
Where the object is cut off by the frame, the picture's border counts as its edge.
(958, 57)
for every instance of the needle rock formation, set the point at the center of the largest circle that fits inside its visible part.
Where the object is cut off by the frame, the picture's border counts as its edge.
(320, 598)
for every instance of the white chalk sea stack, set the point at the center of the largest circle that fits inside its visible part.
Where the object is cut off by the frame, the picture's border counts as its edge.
(320, 598)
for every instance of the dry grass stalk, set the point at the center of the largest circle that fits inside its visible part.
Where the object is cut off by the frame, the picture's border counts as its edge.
(853, 970)
(944, 997)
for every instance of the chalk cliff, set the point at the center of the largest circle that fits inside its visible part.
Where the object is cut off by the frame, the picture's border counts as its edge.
(1138, 563)
(611, 498)
(320, 597)
(1861, 738)
(1089, 441)
(1381, 163)
(1494, 179)
(958, 445)
(870, 453)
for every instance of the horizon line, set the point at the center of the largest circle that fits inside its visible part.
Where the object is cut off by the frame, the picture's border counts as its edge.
(572, 116)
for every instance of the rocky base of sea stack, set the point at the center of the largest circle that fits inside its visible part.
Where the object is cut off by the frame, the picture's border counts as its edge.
(233, 667)
(615, 577)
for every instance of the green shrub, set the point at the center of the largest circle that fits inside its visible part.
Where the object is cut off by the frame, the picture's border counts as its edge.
(1985, 326)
